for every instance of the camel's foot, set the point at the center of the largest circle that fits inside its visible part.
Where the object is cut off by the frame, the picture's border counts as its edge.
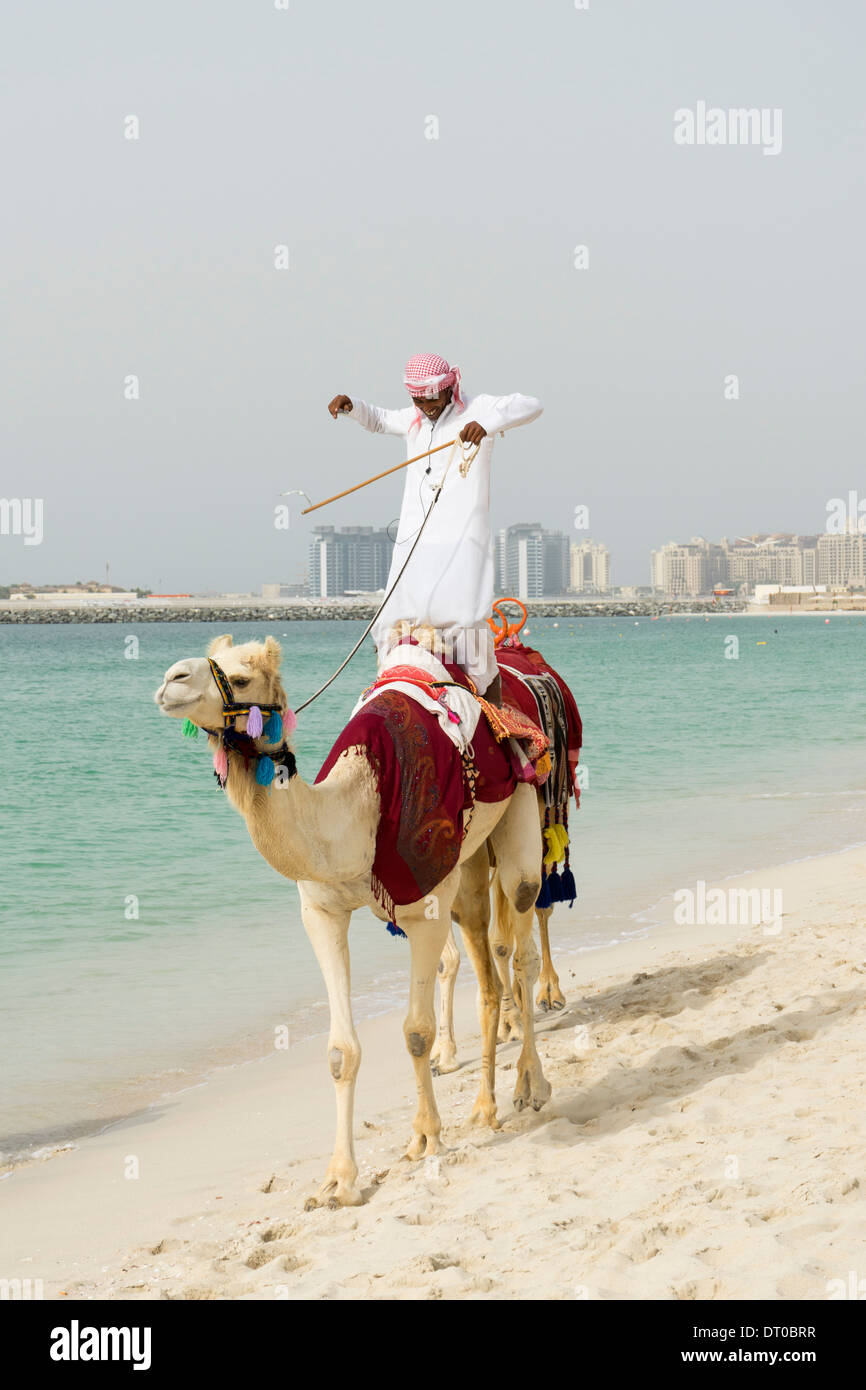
(443, 1058)
(532, 1087)
(549, 996)
(510, 1026)
(422, 1146)
(338, 1190)
(484, 1112)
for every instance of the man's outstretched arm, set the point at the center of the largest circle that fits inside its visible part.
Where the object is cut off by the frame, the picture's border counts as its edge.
(372, 417)
(498, 413)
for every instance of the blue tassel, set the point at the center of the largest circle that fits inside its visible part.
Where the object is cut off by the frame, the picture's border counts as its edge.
(265, 771)
(543, 899)
(273, 730)
(395, 930)
(554, 883)
(569, 887)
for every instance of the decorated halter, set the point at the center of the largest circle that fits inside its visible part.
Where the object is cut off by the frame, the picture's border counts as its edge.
(233, 708)
(280, 723)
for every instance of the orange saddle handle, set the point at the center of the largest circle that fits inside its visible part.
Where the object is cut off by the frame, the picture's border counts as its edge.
(500, 624)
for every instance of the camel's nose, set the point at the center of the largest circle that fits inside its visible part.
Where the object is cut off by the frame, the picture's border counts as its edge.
(179, 672)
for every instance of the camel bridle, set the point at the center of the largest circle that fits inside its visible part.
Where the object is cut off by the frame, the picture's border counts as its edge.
(230, 738)
(232, 708)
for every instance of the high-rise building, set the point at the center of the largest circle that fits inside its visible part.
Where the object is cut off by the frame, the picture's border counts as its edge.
(353, 559)
(500, 570)
(590, 568)
(524, 560)
(531, 562)
(556, 577)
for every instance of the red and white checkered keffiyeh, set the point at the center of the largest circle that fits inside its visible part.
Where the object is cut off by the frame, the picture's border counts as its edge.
(427, 375)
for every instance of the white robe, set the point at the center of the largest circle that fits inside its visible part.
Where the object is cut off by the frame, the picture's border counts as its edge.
(448, 583)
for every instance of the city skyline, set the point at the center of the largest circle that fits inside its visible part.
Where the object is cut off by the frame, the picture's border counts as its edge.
(12, 562)
(533, 561)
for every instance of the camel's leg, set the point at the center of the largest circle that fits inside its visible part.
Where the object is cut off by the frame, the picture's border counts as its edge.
(510, 1028)
(550, 996)
(444, 1054)
(472, 911)
(517, 845)
(426, 939)
(532, 1086)
(328, 932)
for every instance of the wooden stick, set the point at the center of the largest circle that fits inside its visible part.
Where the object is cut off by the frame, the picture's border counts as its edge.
(337, 495)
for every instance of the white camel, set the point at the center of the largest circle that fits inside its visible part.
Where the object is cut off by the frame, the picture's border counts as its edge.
(502, 940)
(324, 838)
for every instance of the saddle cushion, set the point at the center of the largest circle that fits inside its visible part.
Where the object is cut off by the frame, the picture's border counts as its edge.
(423, 791)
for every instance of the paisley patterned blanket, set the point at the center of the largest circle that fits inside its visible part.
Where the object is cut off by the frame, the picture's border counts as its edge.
(423, 791)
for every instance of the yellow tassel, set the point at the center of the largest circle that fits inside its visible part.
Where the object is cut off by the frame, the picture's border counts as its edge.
(562, 839)
(556, 839)
(553, 852)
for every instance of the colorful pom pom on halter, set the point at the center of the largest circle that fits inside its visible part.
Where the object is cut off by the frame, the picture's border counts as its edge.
(273, 730)
(221, 765)
(290, 721)
(254, 722)
(190, 730)
(265, 770)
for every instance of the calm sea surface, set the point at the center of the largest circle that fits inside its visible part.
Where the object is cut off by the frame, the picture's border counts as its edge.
(697, 766)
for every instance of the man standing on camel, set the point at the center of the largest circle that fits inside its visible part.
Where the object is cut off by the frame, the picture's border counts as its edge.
(448, 584)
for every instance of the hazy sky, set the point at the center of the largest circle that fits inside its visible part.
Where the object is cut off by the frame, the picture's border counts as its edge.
(261, 127)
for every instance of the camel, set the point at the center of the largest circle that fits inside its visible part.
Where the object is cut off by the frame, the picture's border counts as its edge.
(550, 996)
(323, 837)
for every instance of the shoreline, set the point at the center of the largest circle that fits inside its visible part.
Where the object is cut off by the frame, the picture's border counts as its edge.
(204, 1151)
(646, 927)
(17, 614)
(652, 610)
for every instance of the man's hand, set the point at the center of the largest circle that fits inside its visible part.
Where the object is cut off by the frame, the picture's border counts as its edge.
(340, 404)
(471, 436)
(473, 433)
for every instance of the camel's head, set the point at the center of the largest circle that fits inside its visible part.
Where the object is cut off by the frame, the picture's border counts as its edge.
(190, 689)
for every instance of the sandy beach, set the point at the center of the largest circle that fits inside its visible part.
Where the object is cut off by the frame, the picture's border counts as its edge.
(704, 1141)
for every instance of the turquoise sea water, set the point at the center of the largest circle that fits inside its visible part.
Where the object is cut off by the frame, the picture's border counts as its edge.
(697, 766)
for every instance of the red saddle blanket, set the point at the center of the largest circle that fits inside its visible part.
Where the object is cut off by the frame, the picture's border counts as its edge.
(423, 791)
(422, 784)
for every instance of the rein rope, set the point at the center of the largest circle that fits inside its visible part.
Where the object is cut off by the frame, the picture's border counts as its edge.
(280, 722)
(467, 459)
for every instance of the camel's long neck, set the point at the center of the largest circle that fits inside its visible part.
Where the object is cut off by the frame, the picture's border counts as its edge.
(325, 832)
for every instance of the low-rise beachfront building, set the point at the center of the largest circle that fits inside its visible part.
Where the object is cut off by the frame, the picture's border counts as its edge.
(842, 558)
(746, 561)
(84, 597)
(682, 569)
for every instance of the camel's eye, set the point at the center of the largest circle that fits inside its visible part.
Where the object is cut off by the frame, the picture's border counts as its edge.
(240, 681)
